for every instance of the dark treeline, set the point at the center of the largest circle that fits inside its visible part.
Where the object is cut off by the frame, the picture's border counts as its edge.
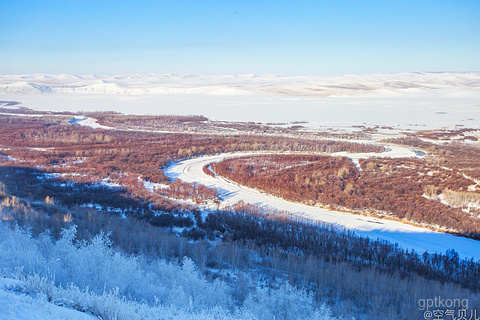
(191, 123)
(129, 199)
(143, 121)
(338, 245)
(446, 135)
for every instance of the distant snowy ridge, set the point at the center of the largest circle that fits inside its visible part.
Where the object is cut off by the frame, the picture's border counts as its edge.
(407, 101)
(24, 88)
(235, 85)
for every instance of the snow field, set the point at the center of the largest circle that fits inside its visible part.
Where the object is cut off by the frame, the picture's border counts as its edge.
(414, 101)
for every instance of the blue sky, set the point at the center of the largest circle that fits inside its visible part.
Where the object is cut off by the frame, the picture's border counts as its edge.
(234, 37)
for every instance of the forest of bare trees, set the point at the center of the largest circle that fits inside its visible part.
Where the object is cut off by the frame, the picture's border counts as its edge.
(383, 187)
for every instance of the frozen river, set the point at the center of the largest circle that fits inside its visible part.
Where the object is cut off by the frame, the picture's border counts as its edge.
(407, 236)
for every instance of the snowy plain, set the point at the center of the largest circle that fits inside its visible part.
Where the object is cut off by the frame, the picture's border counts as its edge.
(406, 100)
(406, 235)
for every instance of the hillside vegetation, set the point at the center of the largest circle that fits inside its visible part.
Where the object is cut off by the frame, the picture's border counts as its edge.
(89, 220)
(399, 188)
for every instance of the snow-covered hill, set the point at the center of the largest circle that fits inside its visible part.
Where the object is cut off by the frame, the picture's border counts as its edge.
(22, 87)
(405, 100)
(349, 85)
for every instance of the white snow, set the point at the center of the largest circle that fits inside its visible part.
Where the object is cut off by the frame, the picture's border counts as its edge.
(88, 122)
(24, 87)
(150, 186)
(406, 235)
(405, 100)
(392, 152)
(7, 157)
(22, 114)
(19, 306)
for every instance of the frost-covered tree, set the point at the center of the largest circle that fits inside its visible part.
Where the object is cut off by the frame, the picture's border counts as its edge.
(284, 303)
(92, 276)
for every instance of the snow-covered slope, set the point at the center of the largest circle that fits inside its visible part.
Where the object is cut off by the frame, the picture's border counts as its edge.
(93, 276)
(346, 85)
(404, 100)
(24, 88)
(19, 306)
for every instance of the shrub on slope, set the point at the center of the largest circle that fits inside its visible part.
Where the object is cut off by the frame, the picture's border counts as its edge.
(93, 277)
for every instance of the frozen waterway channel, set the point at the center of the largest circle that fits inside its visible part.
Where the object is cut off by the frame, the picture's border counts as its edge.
(405, 235)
